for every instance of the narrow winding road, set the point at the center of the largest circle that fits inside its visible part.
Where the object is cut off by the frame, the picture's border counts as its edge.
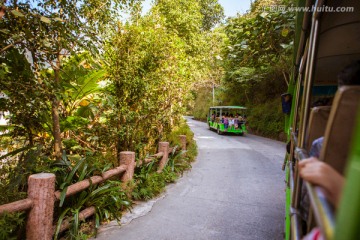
(235, 190)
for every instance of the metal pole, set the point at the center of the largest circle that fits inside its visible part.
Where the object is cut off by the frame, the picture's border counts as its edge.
(305, 105)
(213, 93)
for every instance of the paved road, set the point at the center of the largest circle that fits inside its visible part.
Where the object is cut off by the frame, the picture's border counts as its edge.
(235, 190)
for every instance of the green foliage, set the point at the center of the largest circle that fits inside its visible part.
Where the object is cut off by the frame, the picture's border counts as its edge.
(257, 40)
(203, 100)
(191, 152)
(191, 146)
(151, 76)
(48, 27)
(181, 129)
(108, 198)
(80, 78)
(149, 183)
(73, 123)
(183, 158)
(212, 13)
(177, 15)
(67, 88)
(149, 87)
(45, 32)
(16, 169)
(25, 97)
(256, 59)
(13, 185)
(267, 119)
(12, 226)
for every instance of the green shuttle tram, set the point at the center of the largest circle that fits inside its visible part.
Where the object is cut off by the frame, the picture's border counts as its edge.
(227, 119)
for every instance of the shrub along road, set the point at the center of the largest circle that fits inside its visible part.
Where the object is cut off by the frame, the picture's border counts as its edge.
(235, 190)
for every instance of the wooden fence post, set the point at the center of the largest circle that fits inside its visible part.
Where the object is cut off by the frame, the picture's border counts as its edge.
(183, 142)
(164, 148)
(41, 190)
(127, 158)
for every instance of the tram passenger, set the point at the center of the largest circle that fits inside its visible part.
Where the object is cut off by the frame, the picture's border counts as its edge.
(323, 175)
(217, 118)
(226, 122)
(236, 121)
(240, 120)
(231, 121)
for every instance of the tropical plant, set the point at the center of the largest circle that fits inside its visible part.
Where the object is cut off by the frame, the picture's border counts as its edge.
(149, 183)
(82, 86)
(12, 226)
(256, 42)
(51, 30)
(108, 198)
(256, 60)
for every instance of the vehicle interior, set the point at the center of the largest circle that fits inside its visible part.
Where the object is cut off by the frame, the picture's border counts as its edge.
(326, 43)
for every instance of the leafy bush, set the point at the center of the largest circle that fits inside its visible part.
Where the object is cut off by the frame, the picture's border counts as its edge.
(267, 119)
(108, 198)
(12, 225)
(181, 129)
(203, 100)
(149, 183)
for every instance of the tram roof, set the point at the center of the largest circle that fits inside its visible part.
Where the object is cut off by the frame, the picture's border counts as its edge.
(228, 107)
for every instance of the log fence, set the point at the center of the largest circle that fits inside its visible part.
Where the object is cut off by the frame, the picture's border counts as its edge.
(42, 195)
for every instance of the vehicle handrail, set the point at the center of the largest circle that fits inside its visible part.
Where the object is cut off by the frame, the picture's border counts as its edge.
(294, 138)
(295, 216)
(295, 225)
(323, 210)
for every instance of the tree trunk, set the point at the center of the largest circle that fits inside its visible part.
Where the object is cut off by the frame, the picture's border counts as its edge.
(30, 136)
(56, 127)
(55, 113)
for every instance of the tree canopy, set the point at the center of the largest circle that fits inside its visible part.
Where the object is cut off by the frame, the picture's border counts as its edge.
(256, 54)
(84, 84)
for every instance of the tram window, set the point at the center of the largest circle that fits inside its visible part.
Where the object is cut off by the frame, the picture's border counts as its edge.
(323, 95)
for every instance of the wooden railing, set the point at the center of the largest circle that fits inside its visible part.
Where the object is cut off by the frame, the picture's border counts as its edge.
(42, 195)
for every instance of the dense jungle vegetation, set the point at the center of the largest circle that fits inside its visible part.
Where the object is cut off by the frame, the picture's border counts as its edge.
(83, 84)
(253, 67)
